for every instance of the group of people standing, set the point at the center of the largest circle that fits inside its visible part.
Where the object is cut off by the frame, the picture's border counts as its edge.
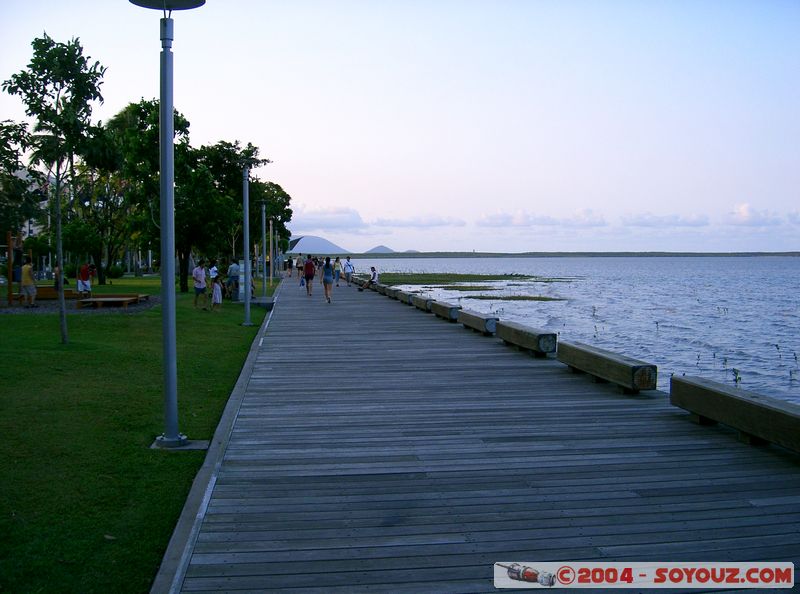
(205, 278)
(328, 272)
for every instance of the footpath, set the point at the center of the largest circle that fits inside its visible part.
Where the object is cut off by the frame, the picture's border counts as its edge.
(371, 447)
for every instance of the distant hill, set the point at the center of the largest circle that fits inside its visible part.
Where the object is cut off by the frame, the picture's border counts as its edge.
(316, 246)
(380, 249)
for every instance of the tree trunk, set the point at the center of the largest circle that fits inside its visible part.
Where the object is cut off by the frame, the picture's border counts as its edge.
(183, 265)
(62, 304)
(98, 259)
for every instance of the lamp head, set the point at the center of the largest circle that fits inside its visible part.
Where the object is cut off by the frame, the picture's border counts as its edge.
(169, 4)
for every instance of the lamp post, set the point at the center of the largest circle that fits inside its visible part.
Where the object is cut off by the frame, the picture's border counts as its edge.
(264, 249)
(271, 258)
(246, 208)
(171, 437)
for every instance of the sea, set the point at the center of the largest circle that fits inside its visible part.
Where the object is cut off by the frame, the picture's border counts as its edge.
(732, 319)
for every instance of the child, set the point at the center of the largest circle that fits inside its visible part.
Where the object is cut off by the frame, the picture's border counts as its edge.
(216, 294)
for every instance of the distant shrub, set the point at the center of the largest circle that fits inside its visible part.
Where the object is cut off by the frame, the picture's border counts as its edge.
(115, 271)
(71, 270)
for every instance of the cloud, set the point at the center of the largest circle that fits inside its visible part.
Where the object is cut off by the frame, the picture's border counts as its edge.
(665, 221)
(495, 220)
(746, 216)
(327, 219)
(420, 222)
(583, 218)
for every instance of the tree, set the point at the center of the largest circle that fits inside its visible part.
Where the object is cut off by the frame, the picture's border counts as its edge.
(57, 89)
(101, 199)
(19, 201)
(277, 208)
(199, 207)
(225, 161)
(135, 133)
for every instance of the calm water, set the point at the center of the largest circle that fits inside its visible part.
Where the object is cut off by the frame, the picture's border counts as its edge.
(722, 318)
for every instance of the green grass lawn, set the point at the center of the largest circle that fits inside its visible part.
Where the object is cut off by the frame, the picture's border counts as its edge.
(86, 505)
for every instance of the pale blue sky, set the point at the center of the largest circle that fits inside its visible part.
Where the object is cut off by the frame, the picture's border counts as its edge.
(485, 125)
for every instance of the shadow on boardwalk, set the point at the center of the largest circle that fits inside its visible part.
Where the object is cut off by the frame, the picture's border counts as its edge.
(375, 448)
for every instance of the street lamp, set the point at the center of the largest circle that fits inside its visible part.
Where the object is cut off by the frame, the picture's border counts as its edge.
(271, 257)
(264, 249)
(246, 208)
(171, 437)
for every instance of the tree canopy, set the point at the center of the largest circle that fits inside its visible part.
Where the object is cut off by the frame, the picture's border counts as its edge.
(112, 170)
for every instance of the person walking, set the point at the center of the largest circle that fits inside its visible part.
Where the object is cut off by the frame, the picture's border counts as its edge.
(27, 284)
(200, 290)
(327, 278)
(298, 264)
(349, 270)
(337, 270)
(309, 272)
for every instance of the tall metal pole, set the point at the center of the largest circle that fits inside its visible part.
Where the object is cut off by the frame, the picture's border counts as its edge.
(264, 248)
(246, 207)
(171, 437)
(271, 255)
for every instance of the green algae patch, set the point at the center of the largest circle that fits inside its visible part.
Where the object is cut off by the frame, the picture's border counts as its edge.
(466, 287)
(514, 298)
(436, 278)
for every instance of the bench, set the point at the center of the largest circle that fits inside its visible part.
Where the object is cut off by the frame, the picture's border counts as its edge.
(539, 342)
(362, 283)
(445, 310)
(758, 419)
(131, 297)
(380, 288)
(391, 292)
(422, 303)
(45, 292)
(404, 297)
(99, 302)
(631, 375)
(483, 323)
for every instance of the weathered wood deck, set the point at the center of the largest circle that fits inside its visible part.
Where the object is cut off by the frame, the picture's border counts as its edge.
(380, 449)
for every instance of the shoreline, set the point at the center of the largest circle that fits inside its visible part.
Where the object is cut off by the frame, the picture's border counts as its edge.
(411, 255)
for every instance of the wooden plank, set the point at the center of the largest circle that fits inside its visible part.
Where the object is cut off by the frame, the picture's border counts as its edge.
(759, 418)
(629, 373)
(539, 342)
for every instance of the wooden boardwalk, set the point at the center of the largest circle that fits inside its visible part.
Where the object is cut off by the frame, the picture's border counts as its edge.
(380, 449)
